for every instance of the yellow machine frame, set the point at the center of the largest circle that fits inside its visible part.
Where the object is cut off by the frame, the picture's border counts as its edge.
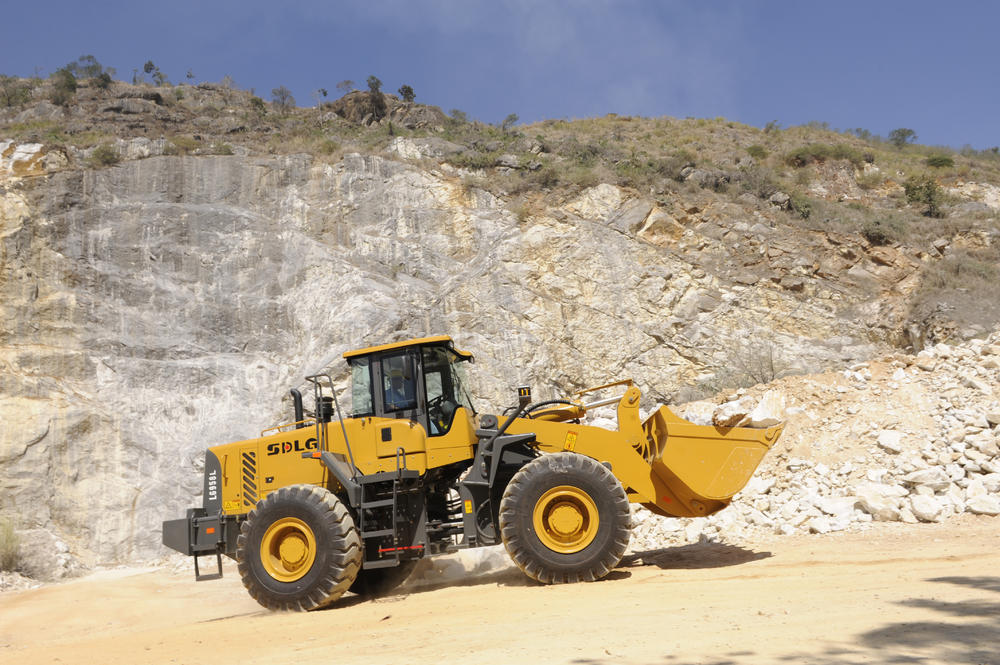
(317, 507)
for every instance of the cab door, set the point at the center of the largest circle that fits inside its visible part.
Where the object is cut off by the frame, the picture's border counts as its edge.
(397, 385)
(400, 396)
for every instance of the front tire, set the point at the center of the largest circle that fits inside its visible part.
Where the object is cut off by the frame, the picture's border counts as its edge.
(298, 549)
(565, 518)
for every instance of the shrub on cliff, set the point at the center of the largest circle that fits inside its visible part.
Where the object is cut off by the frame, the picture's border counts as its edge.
(749, 362)
(10, 557)
(104, 155)
(878, 233)
(821, 152)
(800, 204)
(257, 106)
(924, 189)
(759, 181)
(939, 161)
(181, 145)
(63, 87)
(14, 91)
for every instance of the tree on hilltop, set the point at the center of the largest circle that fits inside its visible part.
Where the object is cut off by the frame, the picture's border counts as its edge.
(159, 78)
(901, 136)
(282, 98)
(406, 92)
(345, 86)
(87, 67)
(376, 102)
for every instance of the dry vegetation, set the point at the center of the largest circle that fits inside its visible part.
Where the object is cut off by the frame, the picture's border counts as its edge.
(842, 182)
(10, 558)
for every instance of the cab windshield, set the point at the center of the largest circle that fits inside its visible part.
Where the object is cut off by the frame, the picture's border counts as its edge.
(446, 387)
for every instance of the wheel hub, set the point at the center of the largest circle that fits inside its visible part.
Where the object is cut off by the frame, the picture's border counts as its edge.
(293, 550)
(288, 549)
(565, 519)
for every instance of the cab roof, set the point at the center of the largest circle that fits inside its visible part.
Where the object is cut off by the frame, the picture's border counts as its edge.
(439, 340)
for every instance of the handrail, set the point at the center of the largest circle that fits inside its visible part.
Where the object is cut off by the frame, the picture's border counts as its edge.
(321, 437)
(623, 382)
(400, 455)
(603, 402)
(277, 428)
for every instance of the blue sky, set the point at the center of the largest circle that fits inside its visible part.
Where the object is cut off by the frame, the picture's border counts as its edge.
(930, 66)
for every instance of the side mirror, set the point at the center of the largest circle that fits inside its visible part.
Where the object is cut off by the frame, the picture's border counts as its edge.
(523, 396)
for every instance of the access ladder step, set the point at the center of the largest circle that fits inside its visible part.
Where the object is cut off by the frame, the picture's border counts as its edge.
(389, 476)
(204, 577)
(381, 533)
(378, 503)
(380, 563)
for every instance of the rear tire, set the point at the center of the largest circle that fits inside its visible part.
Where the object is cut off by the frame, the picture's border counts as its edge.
(565, 518)
(298, 549)
(377, 582)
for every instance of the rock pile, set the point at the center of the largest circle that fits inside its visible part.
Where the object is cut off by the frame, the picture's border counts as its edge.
(16, 582)
(739, 411)
(907, 438)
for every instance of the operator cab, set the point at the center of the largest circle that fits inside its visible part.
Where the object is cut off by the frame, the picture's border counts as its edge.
(421, 380)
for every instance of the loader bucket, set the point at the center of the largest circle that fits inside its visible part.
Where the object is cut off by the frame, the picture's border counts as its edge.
(702, 465)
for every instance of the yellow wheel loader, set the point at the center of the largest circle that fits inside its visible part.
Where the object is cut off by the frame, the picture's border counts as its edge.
(329, 504)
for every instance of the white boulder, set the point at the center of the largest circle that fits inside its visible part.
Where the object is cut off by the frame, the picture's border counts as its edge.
(890, 440)
(934, 477)
(733, 414)
(983, 505)
(878, 501)
(925, 508)
(769, 411)
(699, 413)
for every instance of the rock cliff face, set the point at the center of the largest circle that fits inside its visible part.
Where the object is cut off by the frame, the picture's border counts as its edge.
(166, 304)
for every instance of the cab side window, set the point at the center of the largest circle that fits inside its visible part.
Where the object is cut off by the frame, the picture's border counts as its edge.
(362, 403)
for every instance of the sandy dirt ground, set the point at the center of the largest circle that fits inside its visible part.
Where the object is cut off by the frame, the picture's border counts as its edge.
(894, 594)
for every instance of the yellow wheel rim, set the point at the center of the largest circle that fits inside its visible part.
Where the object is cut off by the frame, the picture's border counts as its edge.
(565, 519)
(288, 549)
